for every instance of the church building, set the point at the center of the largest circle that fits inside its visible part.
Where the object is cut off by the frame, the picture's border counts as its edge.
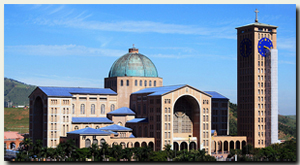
(134, 109)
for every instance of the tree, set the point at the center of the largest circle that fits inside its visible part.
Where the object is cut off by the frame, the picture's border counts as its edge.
(37, 147)
(116, 152)
(168, 151)
(27, 142)
(104, 148)
(93, 150)
(69, 147)
(127, 153)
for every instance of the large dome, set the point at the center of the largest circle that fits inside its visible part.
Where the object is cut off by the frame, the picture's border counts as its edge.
(133, 64)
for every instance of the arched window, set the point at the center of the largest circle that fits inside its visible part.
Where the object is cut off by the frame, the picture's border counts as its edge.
(141, 83)
(76, 128)
(97, 127)
(121, 82)
(135, 83)
(73, 108)
(101, 142)
(112, 107)
(87, 143)
(127, 82)
(145, 83)
(95, 141)
(154, 84)
(82, 109)
(93, 109)
(120, 123)
(150, 83)
(102, 109)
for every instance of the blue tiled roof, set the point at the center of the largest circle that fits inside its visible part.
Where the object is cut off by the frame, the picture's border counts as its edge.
(67, 91)
(112, 132)
(216, 95)
(122, 111)
(89, 130)
(132, 136)
(115, 127)
(91, 120)
(138, 120)
(213, 131)
(157, 91)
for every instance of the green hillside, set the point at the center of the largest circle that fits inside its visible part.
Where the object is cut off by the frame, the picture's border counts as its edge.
(286, 124)
(16, 119)
(16, 92)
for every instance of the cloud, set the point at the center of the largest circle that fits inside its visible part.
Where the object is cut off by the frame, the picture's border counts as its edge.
(60, 50)
(286, 62)
(79, 20)
(56, 10)
(287, 44)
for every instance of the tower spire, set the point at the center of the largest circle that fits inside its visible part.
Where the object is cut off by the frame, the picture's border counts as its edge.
(256, 11)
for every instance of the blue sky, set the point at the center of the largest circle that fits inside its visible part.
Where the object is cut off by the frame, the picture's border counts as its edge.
(75, 45)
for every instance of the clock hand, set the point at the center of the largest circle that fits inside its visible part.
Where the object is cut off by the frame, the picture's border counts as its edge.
(267, 47)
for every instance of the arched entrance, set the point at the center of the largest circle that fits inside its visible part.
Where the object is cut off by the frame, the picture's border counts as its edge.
(237, 144)
(136, 144)
(176, 146)
(243, 143)
(151, 145)
(12, 145)
(185, 120)
(37, 125)
(219, 147)
(226, 146)
(192, 146)
(183, 146)
(123, 145)
(144, 144)
(129, 145)
(231, 144)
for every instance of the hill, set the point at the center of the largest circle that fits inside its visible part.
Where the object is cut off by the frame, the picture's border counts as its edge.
(286, 124)
(16, 119)
(16, 92)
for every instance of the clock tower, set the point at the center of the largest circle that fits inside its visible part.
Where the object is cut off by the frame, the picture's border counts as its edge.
(257, 84)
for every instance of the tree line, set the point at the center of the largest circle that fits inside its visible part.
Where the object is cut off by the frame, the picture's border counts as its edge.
(67, 151)
(286, 151)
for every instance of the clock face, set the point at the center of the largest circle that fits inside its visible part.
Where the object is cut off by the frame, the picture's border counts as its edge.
(245, 47)
(264, 46)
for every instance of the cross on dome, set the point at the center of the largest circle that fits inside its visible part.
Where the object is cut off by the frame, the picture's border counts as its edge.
(256, 11)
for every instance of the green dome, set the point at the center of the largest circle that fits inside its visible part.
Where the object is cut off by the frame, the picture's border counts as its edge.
(133, 64)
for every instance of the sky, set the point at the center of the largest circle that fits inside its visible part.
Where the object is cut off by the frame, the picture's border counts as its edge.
(75, 45)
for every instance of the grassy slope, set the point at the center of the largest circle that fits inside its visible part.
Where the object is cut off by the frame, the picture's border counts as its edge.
(17, 92)
(16, 119)
(286, 124)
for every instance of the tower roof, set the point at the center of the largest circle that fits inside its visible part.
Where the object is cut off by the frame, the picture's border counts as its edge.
(258, 24)
(133, 64)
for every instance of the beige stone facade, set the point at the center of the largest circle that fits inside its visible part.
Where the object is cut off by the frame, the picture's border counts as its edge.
(132, 111)
(254, 85)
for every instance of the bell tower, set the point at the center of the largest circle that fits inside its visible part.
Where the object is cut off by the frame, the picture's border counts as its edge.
(257, 84)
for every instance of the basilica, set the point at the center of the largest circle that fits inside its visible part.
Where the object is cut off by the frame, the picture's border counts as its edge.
(133, 109)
